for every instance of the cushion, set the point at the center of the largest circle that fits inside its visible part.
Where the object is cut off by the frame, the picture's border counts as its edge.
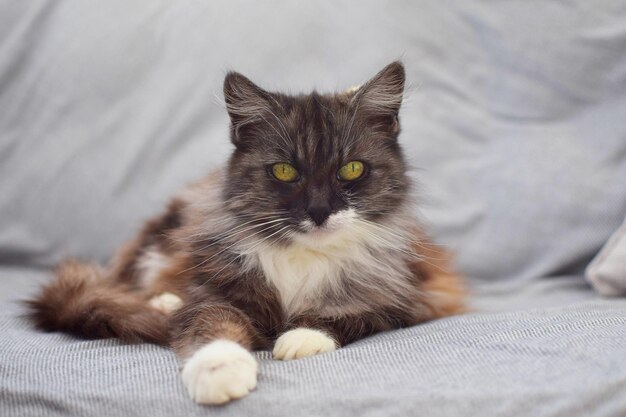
(607, 271)
(514, 123)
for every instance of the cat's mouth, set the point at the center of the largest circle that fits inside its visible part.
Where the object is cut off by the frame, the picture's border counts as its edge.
(335, 222)
(308, 228)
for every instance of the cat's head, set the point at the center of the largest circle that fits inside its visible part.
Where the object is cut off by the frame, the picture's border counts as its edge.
(308, 166)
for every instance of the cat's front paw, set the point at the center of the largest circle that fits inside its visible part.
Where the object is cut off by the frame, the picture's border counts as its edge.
(302, 342)
(219, 372)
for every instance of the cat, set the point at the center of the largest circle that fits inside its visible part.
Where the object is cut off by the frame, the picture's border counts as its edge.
(306, 240)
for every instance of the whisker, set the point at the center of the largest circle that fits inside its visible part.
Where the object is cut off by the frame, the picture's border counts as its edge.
(407, 237)
(227, 248)
(207, 234)
(242, 254)
(227, 237)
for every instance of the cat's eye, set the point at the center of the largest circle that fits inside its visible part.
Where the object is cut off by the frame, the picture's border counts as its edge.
(351, 171)
(284, 172)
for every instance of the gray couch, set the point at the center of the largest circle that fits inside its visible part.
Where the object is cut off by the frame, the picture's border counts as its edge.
(515, 126)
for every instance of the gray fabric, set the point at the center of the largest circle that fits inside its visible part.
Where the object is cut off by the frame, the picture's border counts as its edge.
(17, 283)
(515, 127)
(565, 361)
(607, 271)
(515, 124)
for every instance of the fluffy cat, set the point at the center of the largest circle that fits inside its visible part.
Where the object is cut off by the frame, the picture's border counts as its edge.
(306, 240)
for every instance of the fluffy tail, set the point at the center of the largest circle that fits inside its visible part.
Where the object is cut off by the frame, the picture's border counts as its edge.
(82, 302)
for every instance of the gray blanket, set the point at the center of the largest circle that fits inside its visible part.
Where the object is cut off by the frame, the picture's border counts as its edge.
(563, 361)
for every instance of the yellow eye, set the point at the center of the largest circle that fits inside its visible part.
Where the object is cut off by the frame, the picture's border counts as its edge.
(351, 171)
(284, 172)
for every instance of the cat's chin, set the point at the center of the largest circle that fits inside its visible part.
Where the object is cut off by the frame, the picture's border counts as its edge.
(317, 234)
(319, 237)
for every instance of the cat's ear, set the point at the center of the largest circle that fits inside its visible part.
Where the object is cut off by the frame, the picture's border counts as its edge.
(246, 103)
(380, 98)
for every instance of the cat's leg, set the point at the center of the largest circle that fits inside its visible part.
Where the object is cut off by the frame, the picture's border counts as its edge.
(214, 343)
(311, 334)
(301, 342)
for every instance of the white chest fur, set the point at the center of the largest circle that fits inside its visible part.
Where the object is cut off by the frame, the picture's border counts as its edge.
(314, 266)
(306, 272)
(302, 275)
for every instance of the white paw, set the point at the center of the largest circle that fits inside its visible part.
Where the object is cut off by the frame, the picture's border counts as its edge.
(219, 372)
(166, 302)
(302, 342)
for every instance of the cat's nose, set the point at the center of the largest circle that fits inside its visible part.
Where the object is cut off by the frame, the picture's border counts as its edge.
(318, 213)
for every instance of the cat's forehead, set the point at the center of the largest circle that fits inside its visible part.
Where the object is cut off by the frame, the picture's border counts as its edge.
(315, 112)
(315, 127)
